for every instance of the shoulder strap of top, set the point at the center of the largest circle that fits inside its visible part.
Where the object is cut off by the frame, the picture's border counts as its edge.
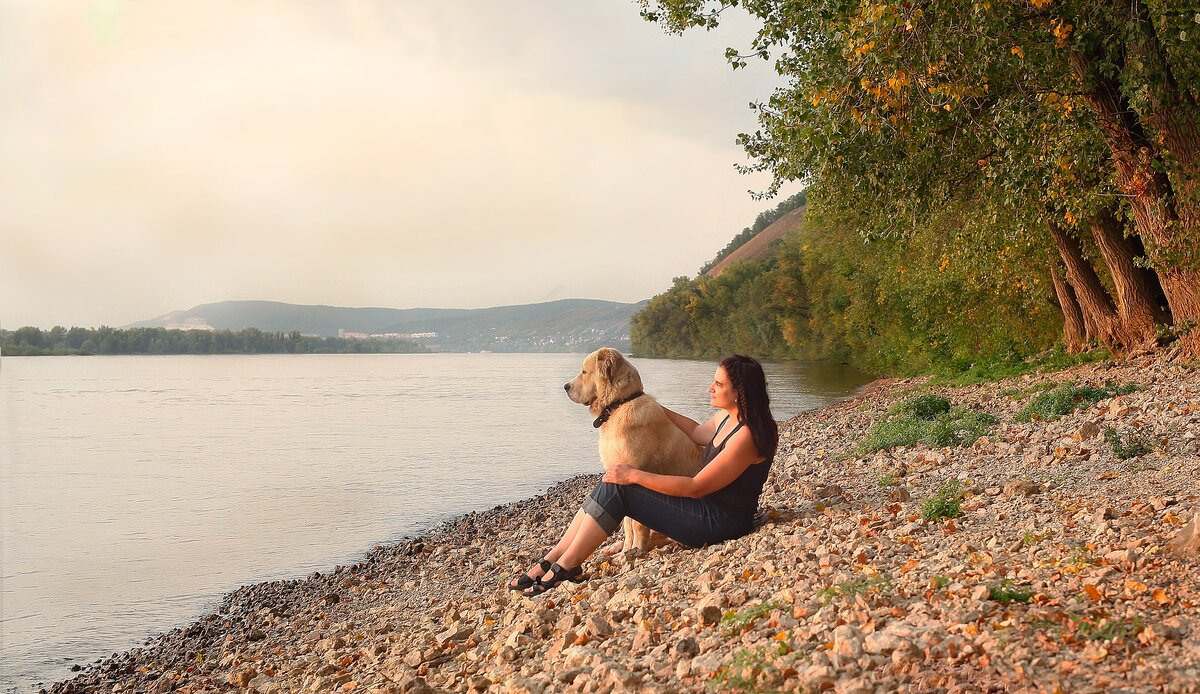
(714, 436)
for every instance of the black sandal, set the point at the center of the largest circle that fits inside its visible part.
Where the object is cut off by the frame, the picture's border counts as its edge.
(539, 586)
(525, 582)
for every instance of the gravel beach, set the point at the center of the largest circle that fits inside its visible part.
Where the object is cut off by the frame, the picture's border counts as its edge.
(1069, 569)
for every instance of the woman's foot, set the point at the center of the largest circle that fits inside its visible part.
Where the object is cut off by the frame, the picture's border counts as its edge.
(530, 578)
(554, 576)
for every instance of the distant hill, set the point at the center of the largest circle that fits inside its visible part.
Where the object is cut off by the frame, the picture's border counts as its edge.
(759, 246)
(567, 325)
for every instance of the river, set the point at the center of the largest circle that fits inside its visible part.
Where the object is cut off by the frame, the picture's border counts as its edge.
(136, 490)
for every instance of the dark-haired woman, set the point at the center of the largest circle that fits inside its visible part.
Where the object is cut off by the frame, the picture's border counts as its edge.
(717, 504)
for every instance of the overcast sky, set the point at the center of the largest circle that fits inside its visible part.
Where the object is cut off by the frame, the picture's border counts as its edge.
(156, 155)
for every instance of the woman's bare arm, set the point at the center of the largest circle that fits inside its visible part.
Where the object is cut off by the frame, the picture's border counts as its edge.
(700, 433)
(738, 455)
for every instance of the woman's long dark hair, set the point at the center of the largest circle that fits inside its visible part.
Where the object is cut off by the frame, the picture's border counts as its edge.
(754, 405)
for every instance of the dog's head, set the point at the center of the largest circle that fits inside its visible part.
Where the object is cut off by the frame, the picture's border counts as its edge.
(604, 378)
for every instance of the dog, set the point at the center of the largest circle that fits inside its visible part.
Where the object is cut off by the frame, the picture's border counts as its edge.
(634, 429)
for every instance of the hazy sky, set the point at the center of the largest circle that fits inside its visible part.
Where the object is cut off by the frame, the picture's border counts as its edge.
(158, 154)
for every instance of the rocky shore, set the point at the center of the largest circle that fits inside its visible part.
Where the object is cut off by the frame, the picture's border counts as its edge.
(1069, 569)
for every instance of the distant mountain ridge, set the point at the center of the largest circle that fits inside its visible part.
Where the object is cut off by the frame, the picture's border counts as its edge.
(566, 325)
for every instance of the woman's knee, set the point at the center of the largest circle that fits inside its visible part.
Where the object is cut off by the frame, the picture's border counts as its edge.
(606, 505)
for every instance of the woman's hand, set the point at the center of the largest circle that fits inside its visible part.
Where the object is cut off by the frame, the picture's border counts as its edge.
(619, 474)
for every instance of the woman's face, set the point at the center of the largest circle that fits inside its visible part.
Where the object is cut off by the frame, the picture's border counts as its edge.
(721, 393)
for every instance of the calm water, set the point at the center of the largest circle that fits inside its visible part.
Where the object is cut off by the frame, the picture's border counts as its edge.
(137, 490)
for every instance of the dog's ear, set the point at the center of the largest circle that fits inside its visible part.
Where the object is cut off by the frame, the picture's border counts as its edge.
(606, 361)
(622, 378)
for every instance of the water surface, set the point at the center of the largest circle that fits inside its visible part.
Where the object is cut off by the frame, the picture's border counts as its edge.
(139, 489)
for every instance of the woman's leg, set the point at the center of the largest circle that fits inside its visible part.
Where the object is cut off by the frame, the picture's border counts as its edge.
(588, 536)
(556, 552)
(693, 522)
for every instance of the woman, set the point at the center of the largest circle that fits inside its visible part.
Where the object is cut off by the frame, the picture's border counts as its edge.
(717, 504)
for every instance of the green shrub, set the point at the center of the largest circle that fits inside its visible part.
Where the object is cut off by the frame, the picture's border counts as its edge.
(1067, 398)
(743, 672)
(922, 406)
(927, 419)
(1108, 628)
(852, 588)
(959, 427)
(997, 369)
(1005, 592)
(946, 503)
(740, 620)
(1134, 443)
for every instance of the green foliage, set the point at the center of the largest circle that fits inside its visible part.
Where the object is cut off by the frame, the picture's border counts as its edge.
(943, 298)
(922, 407)
(1081, 556)
(927, 419)
(938, 139)
(1105, 628)
(1134, 443)
(1009, 366)
(887, 480)
(946, 503)
(1067, 398)
(939, 582)
(742, 673)
(738, 621)
(851, 588)
(1005, 592)
(29, 341)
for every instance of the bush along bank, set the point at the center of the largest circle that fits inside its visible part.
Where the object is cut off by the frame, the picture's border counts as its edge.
(1035, 558)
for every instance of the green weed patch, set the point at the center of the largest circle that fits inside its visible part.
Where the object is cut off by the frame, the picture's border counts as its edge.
(738, 621)
(1132, 444)
(1067, 398)
(1005, 592)
(1002, 368)
(851, 588)
(946, 503)
(928, 419)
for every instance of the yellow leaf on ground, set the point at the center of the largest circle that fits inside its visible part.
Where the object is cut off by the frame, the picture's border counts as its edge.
(1093, 592)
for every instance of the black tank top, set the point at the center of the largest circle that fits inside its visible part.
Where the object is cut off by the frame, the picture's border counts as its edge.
(740, 497)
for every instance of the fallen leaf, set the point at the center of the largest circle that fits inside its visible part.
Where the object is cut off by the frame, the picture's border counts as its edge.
(1160, 596)
(1093, 592)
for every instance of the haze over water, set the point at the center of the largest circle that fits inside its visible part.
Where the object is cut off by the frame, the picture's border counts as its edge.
(137, 490)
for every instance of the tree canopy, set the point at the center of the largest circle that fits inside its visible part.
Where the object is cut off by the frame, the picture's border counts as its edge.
(1067, 124)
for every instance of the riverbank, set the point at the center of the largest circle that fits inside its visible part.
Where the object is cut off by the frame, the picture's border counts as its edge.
(1057, 575)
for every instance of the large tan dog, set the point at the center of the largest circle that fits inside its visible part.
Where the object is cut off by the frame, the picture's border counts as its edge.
(634, 429)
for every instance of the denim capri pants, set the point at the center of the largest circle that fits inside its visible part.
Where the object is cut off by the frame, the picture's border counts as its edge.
(692, 522)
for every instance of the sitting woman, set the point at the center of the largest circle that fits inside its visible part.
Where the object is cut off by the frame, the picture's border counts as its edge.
(717, 504)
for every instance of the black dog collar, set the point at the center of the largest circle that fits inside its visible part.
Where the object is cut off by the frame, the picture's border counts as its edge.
(613, 408)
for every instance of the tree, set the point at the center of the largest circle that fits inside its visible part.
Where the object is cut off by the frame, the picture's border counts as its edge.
(1053, 107)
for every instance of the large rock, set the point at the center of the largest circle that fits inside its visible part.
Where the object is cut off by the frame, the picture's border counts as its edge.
(1021, 487)
(847, 642)
(1187, 542)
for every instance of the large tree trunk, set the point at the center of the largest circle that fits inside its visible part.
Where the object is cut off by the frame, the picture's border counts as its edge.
(1172, 114)
(1170, 240)
(1099, 314)
(1137, 311)
(1074, 337)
